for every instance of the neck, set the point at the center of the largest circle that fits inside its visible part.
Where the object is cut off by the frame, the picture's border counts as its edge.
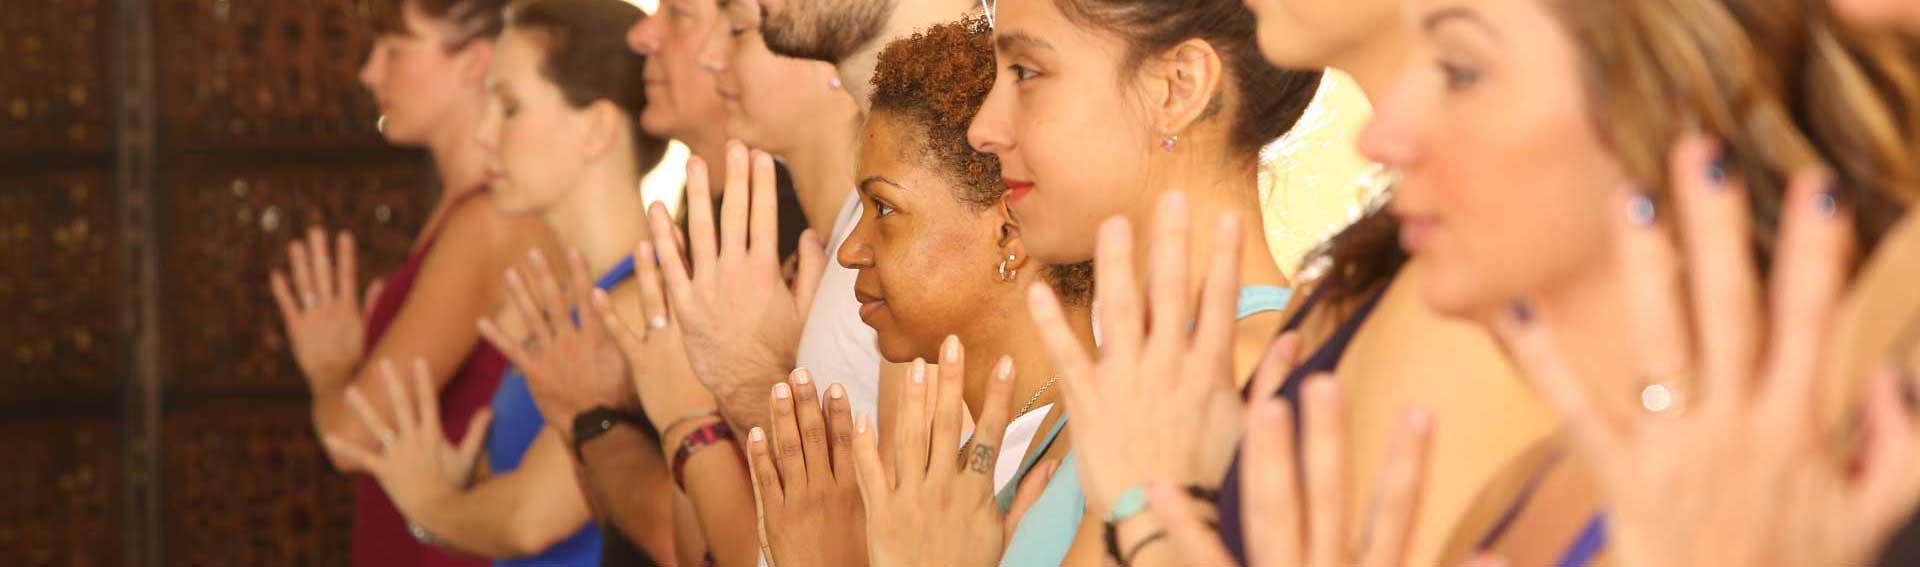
(823, 166)
(1376, 63)
(460, 161)
(603, 218)
(857, 70)
(1011, 332)
(1210, 196)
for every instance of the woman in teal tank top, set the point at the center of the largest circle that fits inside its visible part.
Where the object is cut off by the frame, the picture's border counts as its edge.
(939, 259)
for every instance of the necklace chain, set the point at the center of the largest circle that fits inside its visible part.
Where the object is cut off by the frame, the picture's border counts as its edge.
(1036, 395)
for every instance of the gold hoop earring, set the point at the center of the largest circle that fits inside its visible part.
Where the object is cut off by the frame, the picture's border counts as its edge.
(1006, 275)
(381, 124)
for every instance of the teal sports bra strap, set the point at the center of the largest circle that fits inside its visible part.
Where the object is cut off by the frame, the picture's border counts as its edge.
(1257, 299)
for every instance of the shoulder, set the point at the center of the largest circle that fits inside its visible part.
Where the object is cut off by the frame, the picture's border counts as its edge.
(478, 234)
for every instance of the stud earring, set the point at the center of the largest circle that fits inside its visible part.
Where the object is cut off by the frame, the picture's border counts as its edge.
(834, 82)
(1006, 275)
(1168, 143)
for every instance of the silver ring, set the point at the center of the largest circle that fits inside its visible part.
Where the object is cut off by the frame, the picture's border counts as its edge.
(657, 323)
(386, 439)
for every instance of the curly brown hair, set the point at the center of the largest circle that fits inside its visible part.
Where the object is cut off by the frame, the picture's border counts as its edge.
(935, 82)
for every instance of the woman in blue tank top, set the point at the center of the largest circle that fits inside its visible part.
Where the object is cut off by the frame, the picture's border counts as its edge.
(564, 144)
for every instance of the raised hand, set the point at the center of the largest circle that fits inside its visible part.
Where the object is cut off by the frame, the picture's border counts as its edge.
(935, 505)
(1160, 403)
(663, 379)
(1733, 465)
(740, 320)
(414, 463)
(326, 321)
(811, 512)
(1291, 521)
(571, 363)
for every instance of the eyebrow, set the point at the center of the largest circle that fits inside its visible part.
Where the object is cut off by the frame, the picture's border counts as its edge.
(1464, 14)
(865, 183)
(1008, 41)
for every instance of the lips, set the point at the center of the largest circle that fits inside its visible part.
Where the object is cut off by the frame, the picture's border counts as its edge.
(1017, 189)
(869, 304)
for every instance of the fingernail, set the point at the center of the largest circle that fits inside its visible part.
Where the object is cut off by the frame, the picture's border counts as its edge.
(1827, 203)
(836, 391)
(1717, 171)
(802, 377)
(1004, 370)
(1641, 210)
(537, 257)
(781, 391)
(950, 350)
(1521, 312)
(757, 435)
(919, 371)
(860, 423)
(1175, 201)
(1269, 410)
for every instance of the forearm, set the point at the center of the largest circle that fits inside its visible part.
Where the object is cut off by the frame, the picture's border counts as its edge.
(333, 418)
(722, 494)
(628, 487)
(514, 514)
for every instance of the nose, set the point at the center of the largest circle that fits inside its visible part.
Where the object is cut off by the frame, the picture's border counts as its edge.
(717, 48)
(1391, 137)
(487, 134)
(856, 253)
(644, 37)
(991, 131)
(376, 64)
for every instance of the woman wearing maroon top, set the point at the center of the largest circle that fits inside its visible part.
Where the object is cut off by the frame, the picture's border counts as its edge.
(427, 76)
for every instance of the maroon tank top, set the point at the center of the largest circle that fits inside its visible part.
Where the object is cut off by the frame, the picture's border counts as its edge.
(380, 536)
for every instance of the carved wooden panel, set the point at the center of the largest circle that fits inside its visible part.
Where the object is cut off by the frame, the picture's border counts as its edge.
(55, 95)
(63, 492)
(265, 71)
(230, 228)
(58, 281)
(247, 485)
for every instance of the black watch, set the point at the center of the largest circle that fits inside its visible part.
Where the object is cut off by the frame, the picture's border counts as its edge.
(593, 423)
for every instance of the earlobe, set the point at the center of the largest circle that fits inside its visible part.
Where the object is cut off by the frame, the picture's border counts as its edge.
(478, 60)
(1013, 250)
(603, 128)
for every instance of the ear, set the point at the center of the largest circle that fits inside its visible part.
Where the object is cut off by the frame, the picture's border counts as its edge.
(475, 59)
(1013, 248)
(1186, 83)
(602, 129)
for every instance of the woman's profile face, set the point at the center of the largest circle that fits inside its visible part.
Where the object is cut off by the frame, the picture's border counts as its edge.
(928, 262)
(1072, 134)
(1506, 189)
(1319, 33)
(768, 98)
(530, 133)
(415, 76)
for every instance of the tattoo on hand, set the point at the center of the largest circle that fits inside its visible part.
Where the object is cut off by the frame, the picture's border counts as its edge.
(980, 458)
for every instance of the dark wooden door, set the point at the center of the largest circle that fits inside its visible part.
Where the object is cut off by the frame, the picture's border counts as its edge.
(155, 158)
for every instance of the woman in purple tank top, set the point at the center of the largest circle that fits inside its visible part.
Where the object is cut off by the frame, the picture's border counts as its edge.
(425, 72)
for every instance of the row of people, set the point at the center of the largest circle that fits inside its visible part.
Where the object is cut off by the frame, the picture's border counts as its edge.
(1635, 296)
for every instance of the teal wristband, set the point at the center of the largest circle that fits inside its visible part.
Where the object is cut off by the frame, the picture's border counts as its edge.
(1131, 503)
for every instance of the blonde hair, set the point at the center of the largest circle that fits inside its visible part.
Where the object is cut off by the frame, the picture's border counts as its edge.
(1782, 83)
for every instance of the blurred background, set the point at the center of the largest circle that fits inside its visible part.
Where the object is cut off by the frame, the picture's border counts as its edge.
(155, 158)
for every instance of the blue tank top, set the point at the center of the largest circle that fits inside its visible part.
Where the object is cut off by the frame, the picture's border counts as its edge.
(1046, 533)
(516, 423)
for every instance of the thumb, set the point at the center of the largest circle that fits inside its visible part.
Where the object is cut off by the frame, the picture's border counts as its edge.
(475, 438)
(813, 263)
(372, 297)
